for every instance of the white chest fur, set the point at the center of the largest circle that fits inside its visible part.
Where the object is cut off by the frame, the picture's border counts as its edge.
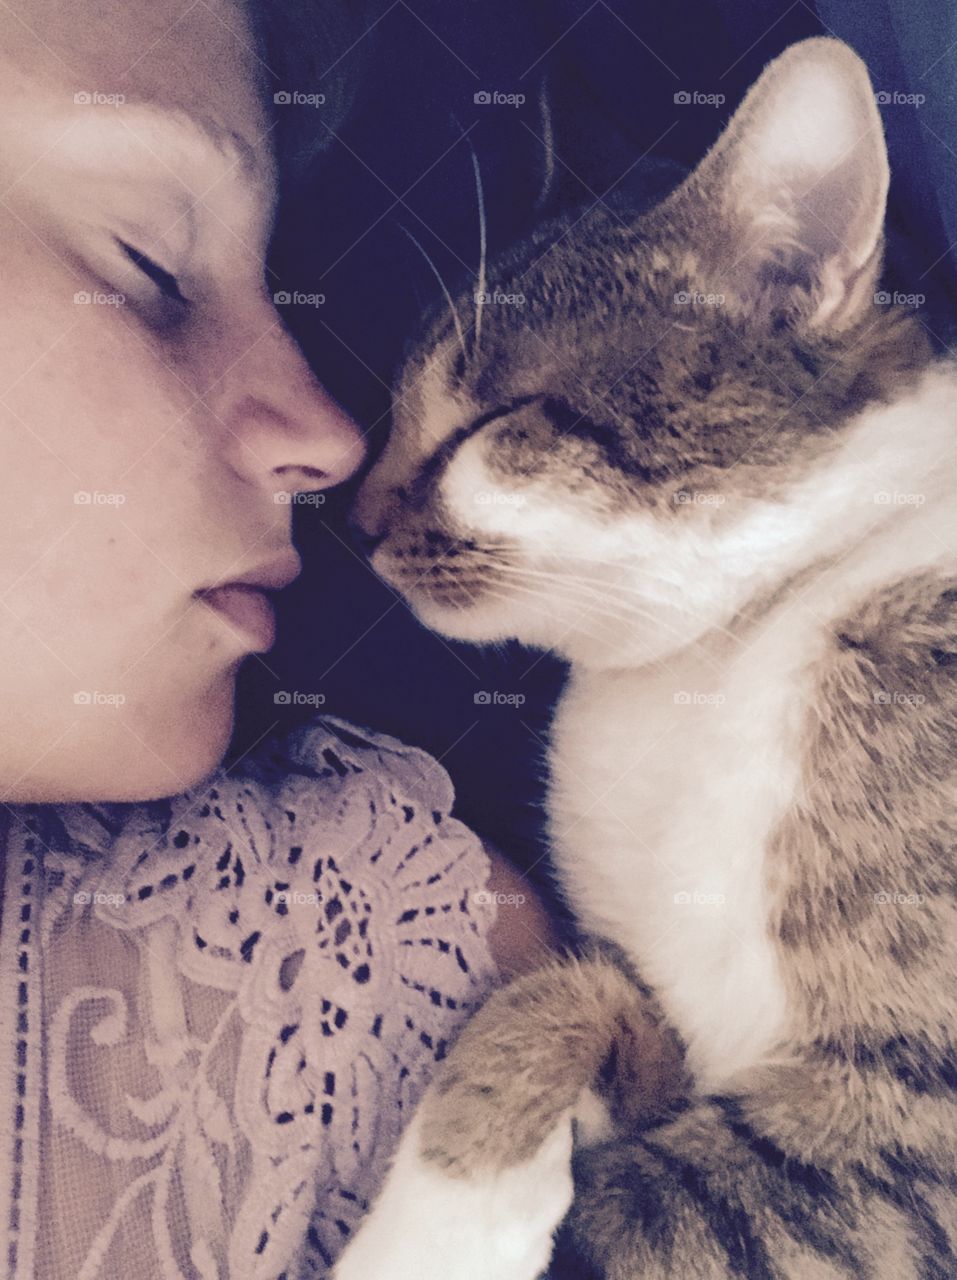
(667, 783)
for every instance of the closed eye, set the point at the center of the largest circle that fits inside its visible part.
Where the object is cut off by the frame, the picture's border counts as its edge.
(164, 280)
(502, 411)
(493, 415)
(432, 465)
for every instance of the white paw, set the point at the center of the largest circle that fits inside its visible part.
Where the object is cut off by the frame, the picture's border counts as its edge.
(428, 1226)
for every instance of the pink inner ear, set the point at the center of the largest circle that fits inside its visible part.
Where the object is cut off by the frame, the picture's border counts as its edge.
(798, 181)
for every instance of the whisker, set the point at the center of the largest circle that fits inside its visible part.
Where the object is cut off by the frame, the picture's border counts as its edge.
(490, 592)
(582, 591)
(595, 626)
(592, 624)
(448, 297)
(480, 292)
(607, 593)
(548, 141)
(616, 610)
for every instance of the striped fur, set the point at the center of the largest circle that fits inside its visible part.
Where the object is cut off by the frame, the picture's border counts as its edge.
(739, 528)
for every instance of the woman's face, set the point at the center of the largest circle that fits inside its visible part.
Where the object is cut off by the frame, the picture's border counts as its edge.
(154, 414)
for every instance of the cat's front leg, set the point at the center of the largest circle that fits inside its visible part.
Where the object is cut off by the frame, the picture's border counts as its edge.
(482, 1176)
(432, 1224)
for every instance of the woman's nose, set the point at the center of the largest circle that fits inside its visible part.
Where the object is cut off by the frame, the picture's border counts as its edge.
(285, 430)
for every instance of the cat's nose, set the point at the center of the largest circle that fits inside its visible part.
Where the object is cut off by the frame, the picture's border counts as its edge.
(374, 509)
(366, 519)
(366, 542)
(366, 529)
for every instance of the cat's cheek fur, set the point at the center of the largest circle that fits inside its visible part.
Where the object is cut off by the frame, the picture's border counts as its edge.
(629, 588)
(498, 1225)
(483, 623)
(567, 552)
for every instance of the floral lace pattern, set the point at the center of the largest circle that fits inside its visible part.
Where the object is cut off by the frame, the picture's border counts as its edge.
(242, 993)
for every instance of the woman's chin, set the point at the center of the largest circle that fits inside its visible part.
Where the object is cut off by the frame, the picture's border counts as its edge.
(178, 744)
(195, 748)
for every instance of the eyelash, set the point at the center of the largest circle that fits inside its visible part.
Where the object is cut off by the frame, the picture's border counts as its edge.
(165, 282)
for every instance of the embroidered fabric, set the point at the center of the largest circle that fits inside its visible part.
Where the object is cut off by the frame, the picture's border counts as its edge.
(216, 1011)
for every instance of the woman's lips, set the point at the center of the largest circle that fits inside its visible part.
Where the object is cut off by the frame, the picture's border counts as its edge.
(248, 609)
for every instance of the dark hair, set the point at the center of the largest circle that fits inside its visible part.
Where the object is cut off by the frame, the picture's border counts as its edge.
(312, 47)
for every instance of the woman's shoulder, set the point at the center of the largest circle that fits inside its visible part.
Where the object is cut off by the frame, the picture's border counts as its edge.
(307, 769)
(319, 895)
(330, 816)
(328, 748)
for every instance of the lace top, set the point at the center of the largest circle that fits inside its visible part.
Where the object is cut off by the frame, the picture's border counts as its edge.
(216, 1010)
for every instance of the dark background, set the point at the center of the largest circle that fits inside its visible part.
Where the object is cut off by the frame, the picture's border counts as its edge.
(388, 150)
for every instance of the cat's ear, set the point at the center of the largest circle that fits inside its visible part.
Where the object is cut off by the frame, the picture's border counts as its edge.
(787, 209)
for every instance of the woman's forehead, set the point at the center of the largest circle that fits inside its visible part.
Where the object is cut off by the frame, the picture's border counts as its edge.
(198, 61)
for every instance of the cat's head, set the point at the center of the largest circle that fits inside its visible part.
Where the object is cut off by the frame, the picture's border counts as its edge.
(627, 444)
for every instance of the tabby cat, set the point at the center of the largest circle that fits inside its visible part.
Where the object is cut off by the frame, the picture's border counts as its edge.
(708, 463)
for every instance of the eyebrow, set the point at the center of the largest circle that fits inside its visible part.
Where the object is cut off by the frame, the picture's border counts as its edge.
(170, 133)
(229, 143)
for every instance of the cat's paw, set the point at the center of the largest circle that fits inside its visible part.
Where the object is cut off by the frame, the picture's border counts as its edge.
(426, 1225)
